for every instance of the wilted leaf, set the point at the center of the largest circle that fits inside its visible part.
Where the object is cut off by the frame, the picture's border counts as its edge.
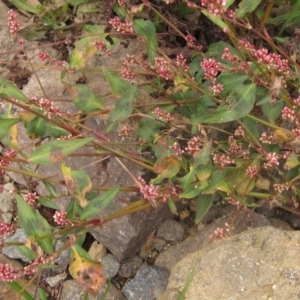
(86, 271)
(78, 183)
(167, 166)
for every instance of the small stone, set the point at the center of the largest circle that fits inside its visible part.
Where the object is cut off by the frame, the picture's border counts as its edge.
(6, 198)
(171, 231)
(160, 244)
(184, 214)
(110, 266)
(149, 282)
(129, 268)
(7, 217)
(12, 251)
(148, 247)
(55, 280)
(294, 221)
(64, 258)
(97, 251)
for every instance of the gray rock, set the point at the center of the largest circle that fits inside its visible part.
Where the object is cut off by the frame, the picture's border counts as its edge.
(294, 221)
(149, 282)
(110, 266)
(12, 251)
(129, 267)
(261, 263)
(55, 280)
(160, 244)
(72, 290)
(171, 231)
(64, 258)
(7, 217)
(6, 198)
(243, 221)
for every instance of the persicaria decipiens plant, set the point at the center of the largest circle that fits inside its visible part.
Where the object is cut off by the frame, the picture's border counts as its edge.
(202, 120)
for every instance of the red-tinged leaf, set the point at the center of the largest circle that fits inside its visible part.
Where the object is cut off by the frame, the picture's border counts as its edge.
(56, 151)
(78, 182)
(98, 204)
(167, 166)
(86, 271)
(35, 225)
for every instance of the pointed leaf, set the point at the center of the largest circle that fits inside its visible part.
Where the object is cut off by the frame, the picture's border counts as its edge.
(34, 225)
(78, 182)
(56, 151)
(39, 127)
(246, 6)
(123, 106)
(204, 203)
(48, 203)
(118, 85)
(85, 99)
(215, 19)
(5, 125)
(8, 89)
(146, 29)
(98, 204)
(241, 102)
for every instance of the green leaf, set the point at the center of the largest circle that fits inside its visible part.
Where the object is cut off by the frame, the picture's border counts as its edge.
(56, 151)
(215, 19)
(98, 204)
(123, 106)
(5, 125)
(273, 111)
(34, 225)
(48, 203)
(50, 188)
(39, 127)
(78, 182)
(146, 29)
(230, 81)
(22, 5)
(8, 89)
(204, 203)
(27, 252)
(42, 294)
(118, 85)
(16, 287)
(241, 101)
(246, 6)
(85, 99)
(194, 190)
(217, 50)
(172, 206)
(148, 128)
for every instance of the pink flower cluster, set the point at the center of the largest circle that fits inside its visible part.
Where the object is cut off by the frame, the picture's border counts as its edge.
(191, 41)
(121, 2)
(101, 46)
(47, 106)
(12, 22)
(239, 132)
(222, 160)
(32, 268)
(193, 146)
(252, 171)
(181, 62)
(6, 229)
(163, 69)
(177, 149)
(149, 192)
(125, 131)
(272, 160)
(31, 198)
(117, 24)
(288, 114)
(220, 233)
(5, 163)
(215, 7)
(217, 88)
(211, 68)
(279, 188)
(162, 114)
(233, 146)
(60, 218)
(8, 273)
